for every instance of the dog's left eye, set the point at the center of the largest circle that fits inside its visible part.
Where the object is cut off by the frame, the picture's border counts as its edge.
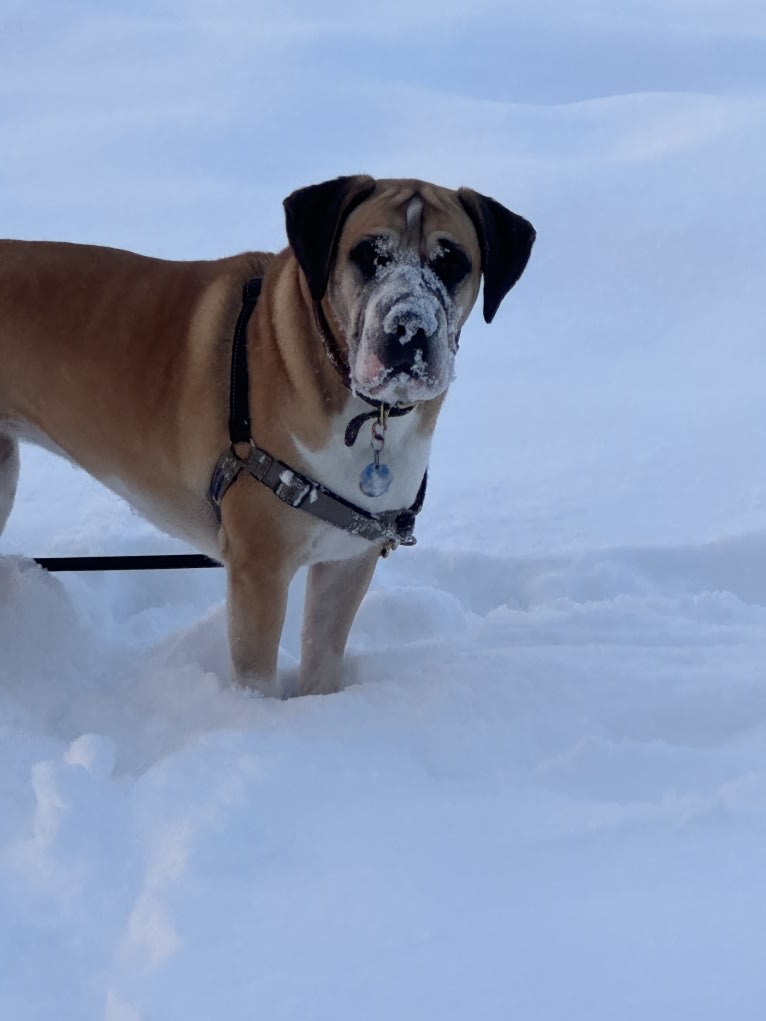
(450, 264)
(370, 255)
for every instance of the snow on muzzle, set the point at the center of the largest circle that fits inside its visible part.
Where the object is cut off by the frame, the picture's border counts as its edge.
(405, 351)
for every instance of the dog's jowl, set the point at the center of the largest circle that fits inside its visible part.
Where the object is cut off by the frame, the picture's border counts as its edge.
(272, 410)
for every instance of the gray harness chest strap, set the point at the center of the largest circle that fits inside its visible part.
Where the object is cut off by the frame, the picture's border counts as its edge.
(389, 528)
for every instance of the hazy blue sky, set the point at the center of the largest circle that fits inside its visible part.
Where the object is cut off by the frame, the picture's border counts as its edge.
(179, 126)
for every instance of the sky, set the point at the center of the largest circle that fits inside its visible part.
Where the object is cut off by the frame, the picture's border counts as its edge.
(176, 126)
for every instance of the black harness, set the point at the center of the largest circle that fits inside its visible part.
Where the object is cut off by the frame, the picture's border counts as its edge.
(387, 528)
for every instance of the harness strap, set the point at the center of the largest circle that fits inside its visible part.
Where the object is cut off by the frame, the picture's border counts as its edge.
(390, 528)
(239, 392)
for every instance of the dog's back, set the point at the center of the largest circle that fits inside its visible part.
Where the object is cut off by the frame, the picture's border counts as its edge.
(94, 343)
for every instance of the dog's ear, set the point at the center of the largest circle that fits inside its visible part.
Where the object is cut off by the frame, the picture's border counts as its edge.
(505, 239)
(314, 218)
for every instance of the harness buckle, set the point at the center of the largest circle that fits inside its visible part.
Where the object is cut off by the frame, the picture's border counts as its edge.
(258, 462)
(292, 489)
(405, 527)
(400, 532)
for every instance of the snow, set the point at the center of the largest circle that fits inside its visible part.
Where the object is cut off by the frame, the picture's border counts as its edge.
(543, 793)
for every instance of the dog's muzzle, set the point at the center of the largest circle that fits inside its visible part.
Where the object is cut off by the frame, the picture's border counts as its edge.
(404, 351)
(408, 340)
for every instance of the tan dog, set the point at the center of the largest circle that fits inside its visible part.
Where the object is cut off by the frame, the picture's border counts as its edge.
(122, 364)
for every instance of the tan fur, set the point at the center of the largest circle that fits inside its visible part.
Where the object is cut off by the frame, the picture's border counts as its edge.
(121, 362)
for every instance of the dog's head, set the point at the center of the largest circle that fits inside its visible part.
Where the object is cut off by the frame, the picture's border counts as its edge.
(400, 264)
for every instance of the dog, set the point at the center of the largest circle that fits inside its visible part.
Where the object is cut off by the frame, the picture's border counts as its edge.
(333, 358)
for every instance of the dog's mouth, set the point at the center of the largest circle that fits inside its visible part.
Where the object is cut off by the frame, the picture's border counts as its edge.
(419, 380)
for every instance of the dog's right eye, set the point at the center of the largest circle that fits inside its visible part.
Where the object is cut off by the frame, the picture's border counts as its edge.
(369, 255)
(450, 264)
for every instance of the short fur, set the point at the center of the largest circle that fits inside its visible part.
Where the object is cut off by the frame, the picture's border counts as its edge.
(121, 363)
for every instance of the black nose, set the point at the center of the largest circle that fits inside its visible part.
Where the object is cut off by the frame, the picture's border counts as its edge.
(403, 350)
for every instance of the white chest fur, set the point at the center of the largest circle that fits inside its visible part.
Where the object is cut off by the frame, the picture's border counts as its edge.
(339, 467)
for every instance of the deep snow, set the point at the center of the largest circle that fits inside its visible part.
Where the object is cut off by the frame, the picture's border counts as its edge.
(543, 793)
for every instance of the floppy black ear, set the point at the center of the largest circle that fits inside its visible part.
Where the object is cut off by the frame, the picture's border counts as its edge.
(314, 218)
(505, 239)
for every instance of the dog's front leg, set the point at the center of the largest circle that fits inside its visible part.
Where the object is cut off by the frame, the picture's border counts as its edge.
(257, 599)
(333, 594)
(260, 561)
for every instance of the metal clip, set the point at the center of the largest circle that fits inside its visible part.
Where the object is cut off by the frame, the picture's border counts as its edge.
(292, 488)
(378, 438)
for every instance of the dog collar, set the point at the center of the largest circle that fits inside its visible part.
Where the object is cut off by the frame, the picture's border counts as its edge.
(389, 528)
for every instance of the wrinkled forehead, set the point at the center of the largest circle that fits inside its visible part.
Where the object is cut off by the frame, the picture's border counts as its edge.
(414, 213)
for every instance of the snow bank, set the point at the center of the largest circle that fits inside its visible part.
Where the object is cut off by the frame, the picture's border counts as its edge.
(549, 765)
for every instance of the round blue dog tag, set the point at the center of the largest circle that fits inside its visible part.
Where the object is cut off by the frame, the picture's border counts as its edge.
(375, 479)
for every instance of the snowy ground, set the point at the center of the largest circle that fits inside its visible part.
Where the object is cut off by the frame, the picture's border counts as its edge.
(544, 793)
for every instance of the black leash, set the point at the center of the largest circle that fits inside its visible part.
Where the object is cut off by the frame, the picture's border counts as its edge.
(158, 562)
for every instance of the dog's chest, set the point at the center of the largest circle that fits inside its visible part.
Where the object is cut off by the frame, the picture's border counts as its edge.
(346, 469)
